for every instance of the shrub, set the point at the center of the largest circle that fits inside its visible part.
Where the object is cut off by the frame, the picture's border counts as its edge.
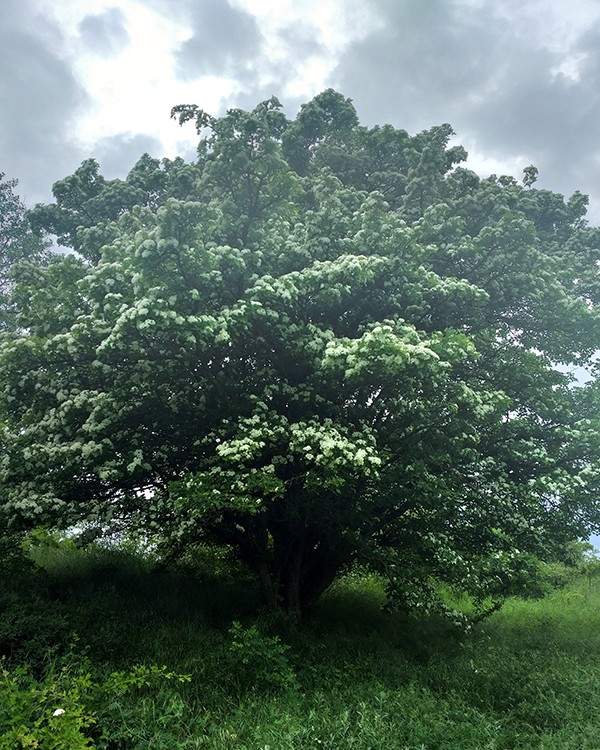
(30, 627)
(72, 708)
(124, 703)
(30, 624)
(47, 714)
(259, 661)
(16, 566)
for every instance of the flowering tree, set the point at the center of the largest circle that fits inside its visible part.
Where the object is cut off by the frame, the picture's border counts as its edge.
(318, 344)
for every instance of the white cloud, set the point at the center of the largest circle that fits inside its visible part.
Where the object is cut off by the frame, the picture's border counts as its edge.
(133, 89)
(514, 78)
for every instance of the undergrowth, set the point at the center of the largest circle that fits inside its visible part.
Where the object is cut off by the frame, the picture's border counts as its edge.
(101, 650)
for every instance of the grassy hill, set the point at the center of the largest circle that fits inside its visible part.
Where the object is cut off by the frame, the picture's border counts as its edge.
(98, 645)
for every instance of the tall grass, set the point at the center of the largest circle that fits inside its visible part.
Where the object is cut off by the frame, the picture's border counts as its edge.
(350, 677)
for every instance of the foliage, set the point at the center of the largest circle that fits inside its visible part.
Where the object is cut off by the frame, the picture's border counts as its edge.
(31, 626)
(70, 710)
(87, 205)
(526, 679)
(48, 714)
(19, 243)
(320, 344)
(258, 660)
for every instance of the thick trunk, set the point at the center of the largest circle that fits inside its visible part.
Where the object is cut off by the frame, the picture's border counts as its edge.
(268, 585)
(292, 581)
(318, 580)
(300, 579)
(294, 562)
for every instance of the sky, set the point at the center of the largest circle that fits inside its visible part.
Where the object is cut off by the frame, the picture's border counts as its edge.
(519, 82)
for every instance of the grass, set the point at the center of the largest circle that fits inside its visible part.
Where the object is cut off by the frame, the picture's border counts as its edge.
(350, 677)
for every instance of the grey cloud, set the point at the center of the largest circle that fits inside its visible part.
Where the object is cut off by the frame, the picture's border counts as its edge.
(118, 153)
(39, 95)
(477, 67)
(418, 64)
(39, 99)
(300, 44)
(479, 64)
(104, 33)
(225, 40)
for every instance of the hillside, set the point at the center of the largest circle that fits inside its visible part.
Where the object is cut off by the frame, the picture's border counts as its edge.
(349, 677)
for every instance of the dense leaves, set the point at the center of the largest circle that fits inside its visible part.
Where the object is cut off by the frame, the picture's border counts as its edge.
(19, 244)
(319, 344)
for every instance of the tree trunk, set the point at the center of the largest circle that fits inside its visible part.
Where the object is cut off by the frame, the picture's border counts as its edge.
(292, 582)
(268, 585)
(293, 561)
(295, 583)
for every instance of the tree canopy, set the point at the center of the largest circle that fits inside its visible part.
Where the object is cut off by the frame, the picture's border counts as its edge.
(19, 244)
(320, 344)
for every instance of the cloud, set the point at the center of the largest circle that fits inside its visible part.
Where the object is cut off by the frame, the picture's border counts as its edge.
(262, 53)
(225, 41)
(280, 76)
(415, 62)
(520, 82)
(39, 96)
(118, 153)
(512, 89)
(104, 33)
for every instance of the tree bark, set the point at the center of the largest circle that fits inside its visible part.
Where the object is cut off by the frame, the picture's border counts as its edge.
(296, 582)
(293, 561)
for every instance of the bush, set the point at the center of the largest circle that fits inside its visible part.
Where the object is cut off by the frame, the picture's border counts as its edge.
(30, 628)
(31, 625)
(126, 703)
(72, 708)
(46, 715)
(16, 565)
(259, 661)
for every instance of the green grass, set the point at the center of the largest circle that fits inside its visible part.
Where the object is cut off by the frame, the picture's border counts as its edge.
(349, 677)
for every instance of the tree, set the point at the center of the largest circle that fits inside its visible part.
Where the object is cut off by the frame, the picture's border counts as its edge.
(530, 175)
(18, 243)
(334, 345)
(88, 206)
